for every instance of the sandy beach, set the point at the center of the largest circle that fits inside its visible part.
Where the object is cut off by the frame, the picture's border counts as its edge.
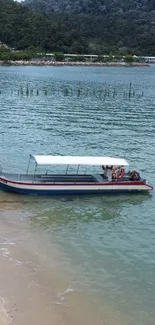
(25, 294)
(34, 290)
(5, 319)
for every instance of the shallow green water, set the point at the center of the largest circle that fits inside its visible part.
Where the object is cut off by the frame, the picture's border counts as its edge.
(108, 241)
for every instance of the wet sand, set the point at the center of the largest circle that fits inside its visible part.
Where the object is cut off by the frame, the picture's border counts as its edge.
(36, 283)
(27, 297)
(5, 319)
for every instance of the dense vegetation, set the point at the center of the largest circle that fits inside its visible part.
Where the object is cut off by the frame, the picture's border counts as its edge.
(105, 7)
(79, 26)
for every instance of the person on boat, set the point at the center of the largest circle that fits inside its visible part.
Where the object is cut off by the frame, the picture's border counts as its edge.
(118, 172)
(108, 172)
(134, 176)
(104, 168)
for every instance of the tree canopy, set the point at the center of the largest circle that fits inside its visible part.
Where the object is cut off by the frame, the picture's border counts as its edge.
(79, 26)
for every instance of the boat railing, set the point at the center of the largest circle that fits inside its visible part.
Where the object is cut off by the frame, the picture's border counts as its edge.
(69, 178)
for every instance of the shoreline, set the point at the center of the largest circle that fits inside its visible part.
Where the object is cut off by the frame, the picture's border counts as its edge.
(40, 288)
(5, 318)
(72, 64)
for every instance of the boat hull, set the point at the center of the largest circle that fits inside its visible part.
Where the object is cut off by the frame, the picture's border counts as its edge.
(70, 189)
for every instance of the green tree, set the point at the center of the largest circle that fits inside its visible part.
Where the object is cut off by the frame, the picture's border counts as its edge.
(78, 58)
(59, 56)
(79, 27)
(128, 58)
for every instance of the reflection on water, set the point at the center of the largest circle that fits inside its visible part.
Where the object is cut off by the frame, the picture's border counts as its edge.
(61, 209)
(65, 209)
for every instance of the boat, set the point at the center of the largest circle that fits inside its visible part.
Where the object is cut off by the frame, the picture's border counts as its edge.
(77, 183)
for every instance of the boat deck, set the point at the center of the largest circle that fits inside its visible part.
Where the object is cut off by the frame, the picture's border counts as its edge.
(57, 178)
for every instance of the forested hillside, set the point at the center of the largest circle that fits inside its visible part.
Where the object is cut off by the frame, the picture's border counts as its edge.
(120, 7)
(80, 26)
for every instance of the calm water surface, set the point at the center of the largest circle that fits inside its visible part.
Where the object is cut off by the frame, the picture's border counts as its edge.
(105, 245)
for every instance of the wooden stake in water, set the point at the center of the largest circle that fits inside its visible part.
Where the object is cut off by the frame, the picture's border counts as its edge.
(66, 92)
(78, 92)
(114, 93)
(21, 91)
(130, 90)
(105, 93)
(27, 91)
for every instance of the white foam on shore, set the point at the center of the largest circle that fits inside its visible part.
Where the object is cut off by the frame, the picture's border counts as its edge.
(7, 242)
(61, 294)
(6, 253)
(4, 316)
(61, 297)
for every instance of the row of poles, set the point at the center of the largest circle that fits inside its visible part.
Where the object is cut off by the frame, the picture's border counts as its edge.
(106, 92)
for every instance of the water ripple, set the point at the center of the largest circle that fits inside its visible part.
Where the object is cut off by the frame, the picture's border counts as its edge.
(110, 241)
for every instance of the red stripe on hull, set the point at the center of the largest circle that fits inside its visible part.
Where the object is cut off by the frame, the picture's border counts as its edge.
(77, 184)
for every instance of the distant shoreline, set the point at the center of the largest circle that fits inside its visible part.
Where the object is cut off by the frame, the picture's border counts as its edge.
(72, 64)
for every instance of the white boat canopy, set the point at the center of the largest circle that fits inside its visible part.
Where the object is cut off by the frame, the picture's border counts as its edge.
(76, 160)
